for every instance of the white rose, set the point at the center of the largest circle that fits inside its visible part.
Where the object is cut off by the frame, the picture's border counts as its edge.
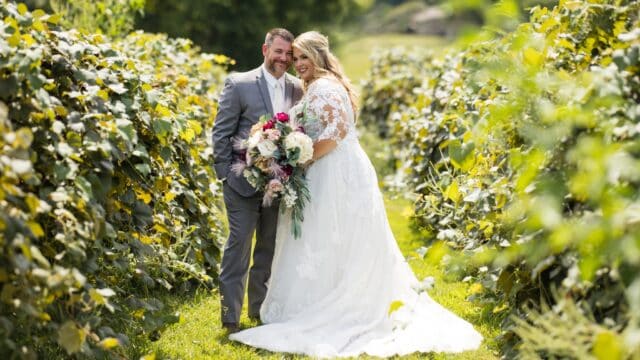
(267, 148)
(302, 142)
(254, 140)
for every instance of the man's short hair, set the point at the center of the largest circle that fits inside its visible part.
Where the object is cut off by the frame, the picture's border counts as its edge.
(283, 33)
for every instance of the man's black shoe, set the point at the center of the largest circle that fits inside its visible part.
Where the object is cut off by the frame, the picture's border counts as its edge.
(230, 328)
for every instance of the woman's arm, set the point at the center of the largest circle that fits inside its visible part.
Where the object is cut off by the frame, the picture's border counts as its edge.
(322, 148)
(329, 107)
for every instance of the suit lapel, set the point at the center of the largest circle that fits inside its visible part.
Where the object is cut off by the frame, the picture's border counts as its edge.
(261, 82)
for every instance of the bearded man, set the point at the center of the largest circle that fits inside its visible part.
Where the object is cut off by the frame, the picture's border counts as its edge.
(246, 97)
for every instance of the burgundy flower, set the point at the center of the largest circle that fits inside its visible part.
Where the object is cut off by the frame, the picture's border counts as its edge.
(301, 129)
(288, 170)
(282, 117)
(268, 125)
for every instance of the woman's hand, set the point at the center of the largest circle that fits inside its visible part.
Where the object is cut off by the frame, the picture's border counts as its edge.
(306, 165)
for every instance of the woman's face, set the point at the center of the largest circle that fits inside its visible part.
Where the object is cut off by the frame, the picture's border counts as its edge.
(303, 65)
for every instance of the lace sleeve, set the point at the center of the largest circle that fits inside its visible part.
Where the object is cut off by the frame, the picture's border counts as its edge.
(328, 105)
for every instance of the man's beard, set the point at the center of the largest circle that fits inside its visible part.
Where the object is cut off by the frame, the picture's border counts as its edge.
(272, 66)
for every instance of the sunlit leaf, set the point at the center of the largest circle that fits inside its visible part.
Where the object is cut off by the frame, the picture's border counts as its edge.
(109, 343)
(532, 57)
(22, 8)
(452, 192)
(394, 306)
(36, 229)
(462, 154)
(118, 88)
(70, 337)
(608, 346)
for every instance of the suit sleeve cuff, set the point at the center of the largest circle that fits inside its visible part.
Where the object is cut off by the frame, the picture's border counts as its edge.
(222, 171)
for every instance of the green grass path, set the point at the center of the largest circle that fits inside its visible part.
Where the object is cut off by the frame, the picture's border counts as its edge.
(198, 335)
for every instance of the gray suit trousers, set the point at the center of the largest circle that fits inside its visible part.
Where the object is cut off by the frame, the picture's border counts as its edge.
(245, 214)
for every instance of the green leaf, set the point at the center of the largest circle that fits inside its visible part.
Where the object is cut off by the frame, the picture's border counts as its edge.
(20, 166)
(144, 169)
(61, 172)
(452, 192)
(118, 88)
(83, 184)
(161, 127)
(70, 337)
(127, 130)
(8, 85)
(461, 154)
(142, 213)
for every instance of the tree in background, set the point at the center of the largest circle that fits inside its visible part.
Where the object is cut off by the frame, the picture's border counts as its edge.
(237, 29)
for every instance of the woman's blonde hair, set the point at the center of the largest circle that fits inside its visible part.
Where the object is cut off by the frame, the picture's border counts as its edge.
(316, 47)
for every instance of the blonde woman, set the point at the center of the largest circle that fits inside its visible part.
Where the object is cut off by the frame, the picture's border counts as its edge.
(331, 290)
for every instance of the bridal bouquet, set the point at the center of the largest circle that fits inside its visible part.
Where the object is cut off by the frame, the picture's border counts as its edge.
(275, 152)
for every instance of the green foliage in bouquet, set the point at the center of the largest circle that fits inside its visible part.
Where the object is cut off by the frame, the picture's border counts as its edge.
(106, 188)
(525, 154)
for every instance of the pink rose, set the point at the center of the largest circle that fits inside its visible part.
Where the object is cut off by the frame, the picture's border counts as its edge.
(275, 186)
(273, 134)
(282, 117)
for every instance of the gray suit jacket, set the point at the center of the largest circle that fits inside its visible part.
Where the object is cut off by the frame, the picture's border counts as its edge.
(244, 99)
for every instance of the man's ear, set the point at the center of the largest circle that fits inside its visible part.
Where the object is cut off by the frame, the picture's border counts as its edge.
(264, 49)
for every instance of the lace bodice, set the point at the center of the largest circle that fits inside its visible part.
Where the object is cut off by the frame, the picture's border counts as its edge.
(326, 111)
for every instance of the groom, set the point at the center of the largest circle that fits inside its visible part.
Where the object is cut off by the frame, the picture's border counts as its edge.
(246, 96)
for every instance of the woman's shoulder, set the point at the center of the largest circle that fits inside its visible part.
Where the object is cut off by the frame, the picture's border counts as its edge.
(325, 84)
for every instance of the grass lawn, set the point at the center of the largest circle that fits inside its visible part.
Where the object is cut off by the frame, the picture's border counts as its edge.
(198, 335)
(354, 51)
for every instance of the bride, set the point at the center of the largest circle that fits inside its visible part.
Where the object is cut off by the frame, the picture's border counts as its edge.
(331, 290)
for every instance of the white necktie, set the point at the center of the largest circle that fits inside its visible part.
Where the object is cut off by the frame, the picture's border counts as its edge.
(278, 99)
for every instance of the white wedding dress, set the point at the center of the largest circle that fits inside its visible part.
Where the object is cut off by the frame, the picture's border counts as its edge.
(331, 290)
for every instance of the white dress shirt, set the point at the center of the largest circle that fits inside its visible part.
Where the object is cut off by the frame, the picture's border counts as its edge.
(272, 81)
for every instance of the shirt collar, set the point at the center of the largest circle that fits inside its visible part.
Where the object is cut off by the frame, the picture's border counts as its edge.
(271, 80)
